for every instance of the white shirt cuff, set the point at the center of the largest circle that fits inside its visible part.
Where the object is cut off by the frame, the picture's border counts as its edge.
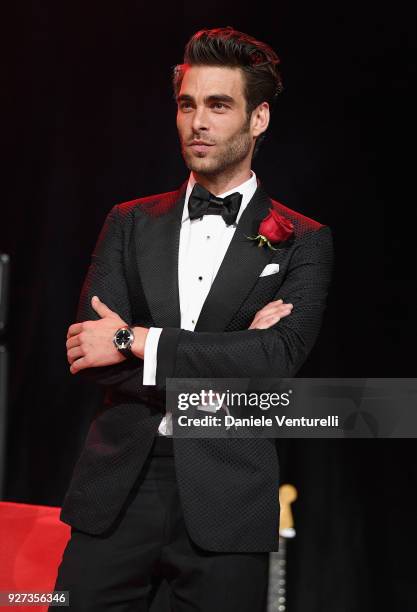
(149, 356)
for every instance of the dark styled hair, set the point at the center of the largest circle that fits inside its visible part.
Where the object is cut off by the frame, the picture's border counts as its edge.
(228, 47)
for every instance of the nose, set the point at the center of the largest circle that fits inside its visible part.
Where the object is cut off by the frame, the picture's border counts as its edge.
(200, 119)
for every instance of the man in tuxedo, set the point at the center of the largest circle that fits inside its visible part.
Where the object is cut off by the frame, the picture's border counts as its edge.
(177, 289)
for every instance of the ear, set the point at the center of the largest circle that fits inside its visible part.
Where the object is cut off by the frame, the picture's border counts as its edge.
(260, 119)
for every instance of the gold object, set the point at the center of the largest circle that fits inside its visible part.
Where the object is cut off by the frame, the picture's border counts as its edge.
(287, 495)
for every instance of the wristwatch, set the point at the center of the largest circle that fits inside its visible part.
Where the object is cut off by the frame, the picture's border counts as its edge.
(123, 340)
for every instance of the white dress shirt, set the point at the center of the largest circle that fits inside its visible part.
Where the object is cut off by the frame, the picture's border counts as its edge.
(203, 245)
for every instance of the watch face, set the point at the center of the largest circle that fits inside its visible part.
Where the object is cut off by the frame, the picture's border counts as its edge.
(123, 338)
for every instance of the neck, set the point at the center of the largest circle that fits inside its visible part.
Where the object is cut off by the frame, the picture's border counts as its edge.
(221, 183)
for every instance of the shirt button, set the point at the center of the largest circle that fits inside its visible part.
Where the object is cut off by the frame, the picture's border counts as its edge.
(193, 321)
(200, 278)
(207, 237)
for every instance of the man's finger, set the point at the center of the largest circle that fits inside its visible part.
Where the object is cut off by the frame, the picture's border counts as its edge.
(74, 353)
(74, 329)
(265, 322)
(101, 309)
(73, 341)
(262, 322)
(271, 317)
(280, 309)
(79, 364)
(275, 307)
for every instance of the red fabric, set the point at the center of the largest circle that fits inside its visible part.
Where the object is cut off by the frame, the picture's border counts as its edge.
(32, 540)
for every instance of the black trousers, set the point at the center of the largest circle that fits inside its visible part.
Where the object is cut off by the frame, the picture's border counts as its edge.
(122, 569)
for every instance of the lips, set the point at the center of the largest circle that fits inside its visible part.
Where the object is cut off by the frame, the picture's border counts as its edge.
(200, 147)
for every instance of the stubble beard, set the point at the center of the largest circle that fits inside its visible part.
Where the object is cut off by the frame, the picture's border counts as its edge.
(228, 157)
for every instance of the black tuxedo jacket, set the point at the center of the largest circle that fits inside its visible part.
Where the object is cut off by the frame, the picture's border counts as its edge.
(228, 487)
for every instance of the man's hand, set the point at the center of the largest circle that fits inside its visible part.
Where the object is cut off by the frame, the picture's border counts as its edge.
(270, 314)
(90, 344)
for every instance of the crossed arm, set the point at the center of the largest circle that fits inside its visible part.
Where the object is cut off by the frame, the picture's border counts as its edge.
(277, 351)
(89, 343)
(276, 343)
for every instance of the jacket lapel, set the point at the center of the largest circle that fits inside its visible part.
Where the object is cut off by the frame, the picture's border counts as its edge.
(157, 238)
(240, 268)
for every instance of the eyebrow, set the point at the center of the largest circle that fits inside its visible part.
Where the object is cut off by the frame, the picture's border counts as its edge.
(207, 99)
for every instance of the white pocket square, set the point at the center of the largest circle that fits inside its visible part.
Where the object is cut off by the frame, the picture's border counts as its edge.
(270, 269)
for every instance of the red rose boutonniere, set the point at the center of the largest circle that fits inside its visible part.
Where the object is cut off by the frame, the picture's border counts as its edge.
(274, 228)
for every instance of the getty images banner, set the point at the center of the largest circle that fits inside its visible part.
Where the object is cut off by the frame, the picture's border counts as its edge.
(292, 407)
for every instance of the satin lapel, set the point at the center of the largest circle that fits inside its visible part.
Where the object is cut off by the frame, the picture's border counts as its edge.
(157, 235)
(240, 268)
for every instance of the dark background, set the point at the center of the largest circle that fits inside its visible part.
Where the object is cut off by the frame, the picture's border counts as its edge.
(89, 121)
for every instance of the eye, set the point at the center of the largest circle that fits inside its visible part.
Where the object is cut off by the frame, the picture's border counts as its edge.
(218, 105)
(185, 105)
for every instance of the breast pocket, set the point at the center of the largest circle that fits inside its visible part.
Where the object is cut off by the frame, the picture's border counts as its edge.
(267, 284)
(270, 269)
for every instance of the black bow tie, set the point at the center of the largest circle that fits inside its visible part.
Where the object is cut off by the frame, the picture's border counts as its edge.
(201, 202)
